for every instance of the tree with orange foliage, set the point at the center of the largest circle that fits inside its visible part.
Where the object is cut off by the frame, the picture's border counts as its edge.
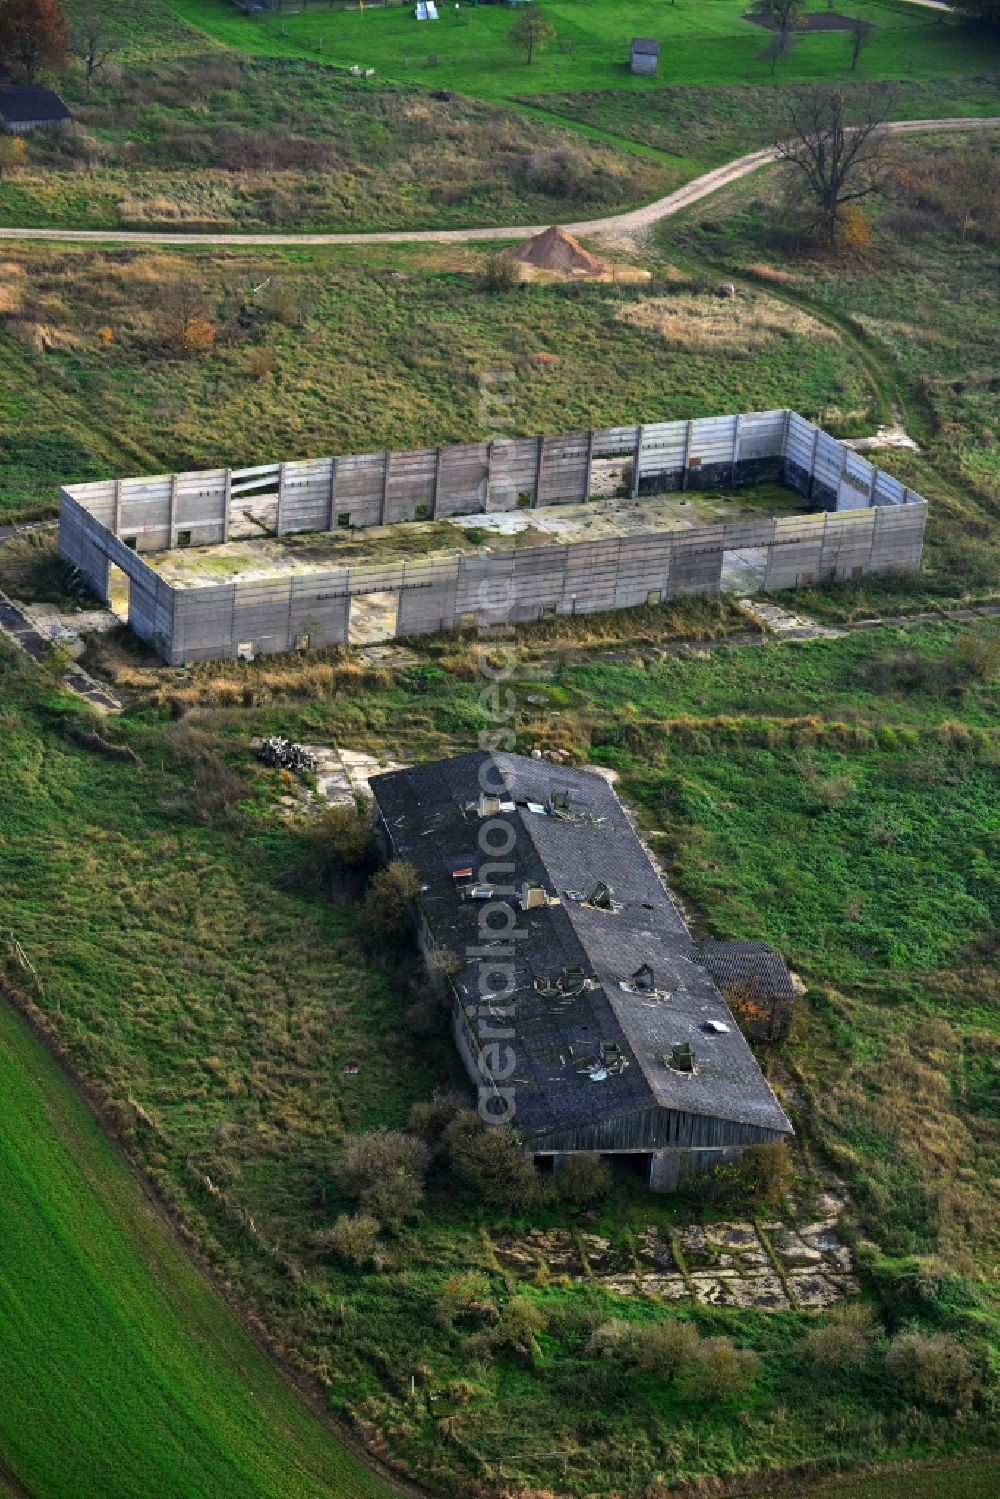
(34, 36)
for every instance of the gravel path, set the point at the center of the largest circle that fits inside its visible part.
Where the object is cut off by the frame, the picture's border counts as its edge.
(621, 226)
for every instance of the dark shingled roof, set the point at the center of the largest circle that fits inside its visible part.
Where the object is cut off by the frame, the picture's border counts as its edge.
(427, 812)
(22, 104)
(757, 966)
(645, 44)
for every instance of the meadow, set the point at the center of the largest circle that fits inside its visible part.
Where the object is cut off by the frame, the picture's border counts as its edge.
(124, 1370)
(206, 118)
(706, 44)
(838, 799)
(356, 355)
(917, 296)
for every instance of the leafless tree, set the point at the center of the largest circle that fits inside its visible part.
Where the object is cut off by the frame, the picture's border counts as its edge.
(94, 45)
(862, 32)
(839, 162)
(781, 41)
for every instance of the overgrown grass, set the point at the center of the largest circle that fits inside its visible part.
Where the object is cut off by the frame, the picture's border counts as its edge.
(918, 300)
(210, 140)
(833, 797)
(358, 357)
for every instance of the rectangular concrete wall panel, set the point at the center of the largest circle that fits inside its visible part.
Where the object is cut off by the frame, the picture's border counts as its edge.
(865, 521)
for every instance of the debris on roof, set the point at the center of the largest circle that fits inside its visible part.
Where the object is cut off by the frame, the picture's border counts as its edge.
(589, 999)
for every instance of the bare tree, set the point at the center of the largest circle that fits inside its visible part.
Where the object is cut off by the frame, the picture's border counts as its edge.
(861, 34)
(780, 13)
(781, 41)
(839, 162)
(94, 45)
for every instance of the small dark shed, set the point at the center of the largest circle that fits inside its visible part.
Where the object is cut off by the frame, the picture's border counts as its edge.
(25, 107)
(645, 54)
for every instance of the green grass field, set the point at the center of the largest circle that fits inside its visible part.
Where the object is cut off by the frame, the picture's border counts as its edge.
(194, 976)
(701, 43)
(124, 1372)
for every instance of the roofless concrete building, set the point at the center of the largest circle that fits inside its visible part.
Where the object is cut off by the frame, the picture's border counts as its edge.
(284, 556)
(580, 1003)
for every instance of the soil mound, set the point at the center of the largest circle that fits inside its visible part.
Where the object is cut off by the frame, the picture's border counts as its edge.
(555, 250)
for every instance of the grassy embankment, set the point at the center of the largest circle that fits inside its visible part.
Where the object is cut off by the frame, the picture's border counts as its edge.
(356, 357)
(839, 799)
(181, 131)
(124, 1371)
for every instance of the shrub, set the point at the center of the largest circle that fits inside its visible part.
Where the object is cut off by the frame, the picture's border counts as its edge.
(351, 1239)
(13, 153)
(610, 1339)
(767, 1171)
(718, 1369)
(260, 362)
(499, 273)
(842, 1342)
(387, 911)
(197, 336)
(519, 1324)
(385, 1172)
(582, 1179)
(854, 230)
(933, 1369)
(665, 1348)
(978, 652)
(487, 1158)
(430, 1118)
(343, 837)
(466, 1294)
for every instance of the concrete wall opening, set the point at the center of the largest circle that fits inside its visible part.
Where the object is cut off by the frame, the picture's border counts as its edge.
(744, 570)
(118, 592)
(373, 617)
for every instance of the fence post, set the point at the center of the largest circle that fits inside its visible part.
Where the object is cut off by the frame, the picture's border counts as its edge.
(812, 464)
(687, 454)
(116, 513)
(736, 448)
(279, 526)
(590, 464)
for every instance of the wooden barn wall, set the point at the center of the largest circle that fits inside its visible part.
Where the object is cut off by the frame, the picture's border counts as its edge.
(653, 1129)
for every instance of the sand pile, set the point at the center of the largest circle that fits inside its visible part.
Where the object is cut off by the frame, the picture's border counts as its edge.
(555, 250)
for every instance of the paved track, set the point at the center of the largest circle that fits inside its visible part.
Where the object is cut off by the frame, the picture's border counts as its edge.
(621, 226)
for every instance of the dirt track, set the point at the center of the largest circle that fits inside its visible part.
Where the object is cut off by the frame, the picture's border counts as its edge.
(622, 226)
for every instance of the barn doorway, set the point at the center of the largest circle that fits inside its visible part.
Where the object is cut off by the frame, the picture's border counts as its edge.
(374, 617)
(118, 591)
(744, 570)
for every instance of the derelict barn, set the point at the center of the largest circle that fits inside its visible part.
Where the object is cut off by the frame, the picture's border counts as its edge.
(583, 1010)
(854, 519)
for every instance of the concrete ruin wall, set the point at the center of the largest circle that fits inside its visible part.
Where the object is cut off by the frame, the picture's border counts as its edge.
(865, 522)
